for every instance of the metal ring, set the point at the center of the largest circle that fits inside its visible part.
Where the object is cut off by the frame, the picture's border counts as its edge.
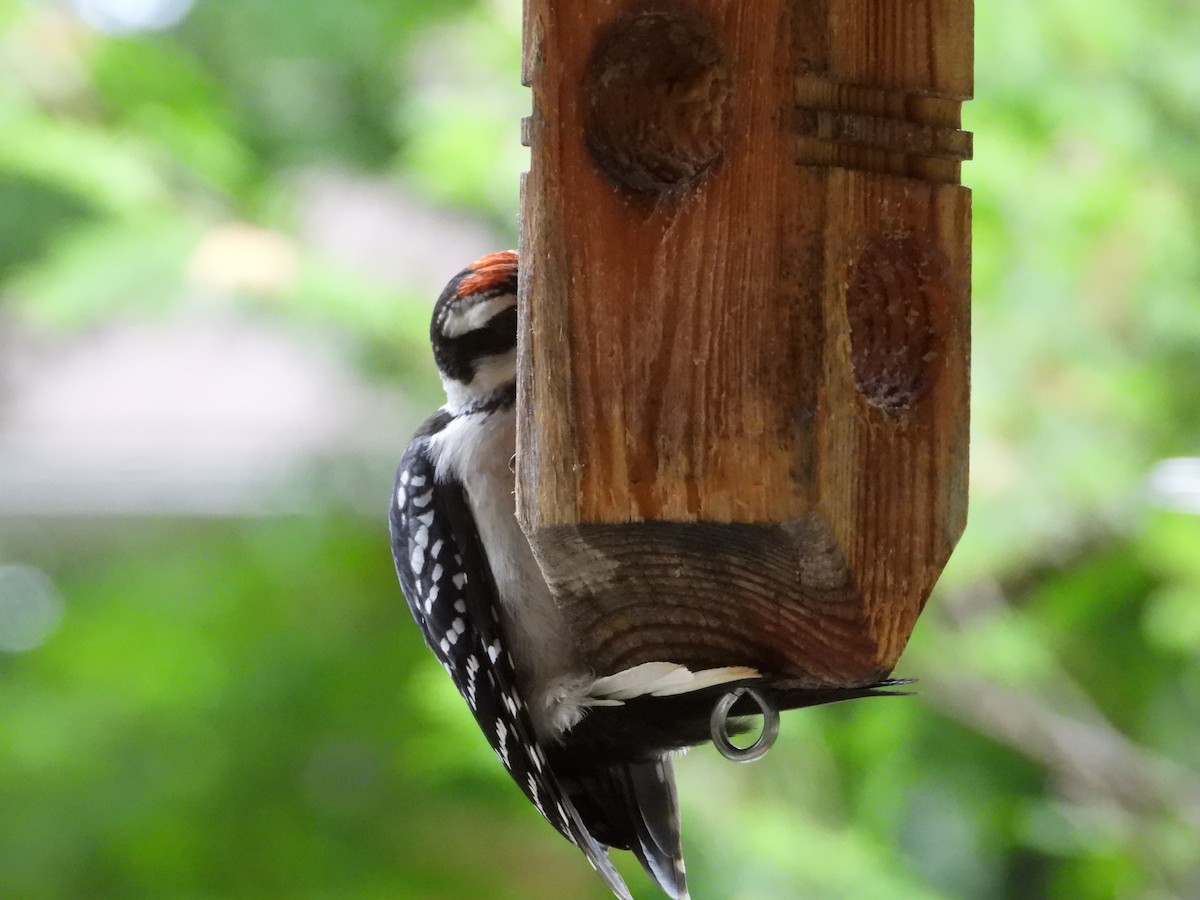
(719, 726)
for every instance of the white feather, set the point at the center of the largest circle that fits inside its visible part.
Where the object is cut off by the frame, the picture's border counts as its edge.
(460, 321)
(663, 679)
(707, 678)
(491, 374)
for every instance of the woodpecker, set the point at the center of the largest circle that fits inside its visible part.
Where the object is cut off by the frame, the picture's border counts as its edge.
(592, 751)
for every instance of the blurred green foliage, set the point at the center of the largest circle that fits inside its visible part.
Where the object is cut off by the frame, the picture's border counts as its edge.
(241, 707)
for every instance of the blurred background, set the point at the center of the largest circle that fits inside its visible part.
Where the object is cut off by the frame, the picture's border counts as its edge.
(222, 227)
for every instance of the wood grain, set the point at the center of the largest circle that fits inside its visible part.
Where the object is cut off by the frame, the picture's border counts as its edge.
(743, 390)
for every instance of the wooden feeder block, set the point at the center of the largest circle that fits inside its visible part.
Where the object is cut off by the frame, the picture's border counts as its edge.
(745, 262)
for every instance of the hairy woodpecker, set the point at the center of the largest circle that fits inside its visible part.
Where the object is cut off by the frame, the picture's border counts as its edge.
(591, 751)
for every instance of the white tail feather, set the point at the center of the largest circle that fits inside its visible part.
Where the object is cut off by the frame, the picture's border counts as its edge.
(706, 678)
(663, 679)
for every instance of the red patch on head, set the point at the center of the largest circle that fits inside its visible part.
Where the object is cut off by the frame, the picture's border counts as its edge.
(489, 273)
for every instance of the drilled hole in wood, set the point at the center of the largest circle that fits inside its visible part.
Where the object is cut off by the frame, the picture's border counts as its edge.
(892, 288)
(657, 99)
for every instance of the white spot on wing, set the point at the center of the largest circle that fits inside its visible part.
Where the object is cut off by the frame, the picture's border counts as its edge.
(472, 671)
(502, 735)
(533, 791)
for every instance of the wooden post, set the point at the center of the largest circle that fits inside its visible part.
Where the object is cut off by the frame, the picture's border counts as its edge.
(745, 259)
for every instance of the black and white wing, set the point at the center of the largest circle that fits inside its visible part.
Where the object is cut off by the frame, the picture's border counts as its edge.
(444, 573)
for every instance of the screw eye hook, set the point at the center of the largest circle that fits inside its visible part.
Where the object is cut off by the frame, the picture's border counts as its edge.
(719, 726)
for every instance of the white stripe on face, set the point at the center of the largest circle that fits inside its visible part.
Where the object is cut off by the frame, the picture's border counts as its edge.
(491, 374)
(458, 322)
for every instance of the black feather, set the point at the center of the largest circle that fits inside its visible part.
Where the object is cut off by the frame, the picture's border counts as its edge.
(451, 592)
(634, 806)
(645, 728)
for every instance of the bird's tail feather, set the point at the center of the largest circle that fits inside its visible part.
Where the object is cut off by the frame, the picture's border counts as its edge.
(634, 806)
(654, 811)
(645, 727)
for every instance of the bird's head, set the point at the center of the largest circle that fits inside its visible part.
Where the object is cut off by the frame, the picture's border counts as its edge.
(474, 331)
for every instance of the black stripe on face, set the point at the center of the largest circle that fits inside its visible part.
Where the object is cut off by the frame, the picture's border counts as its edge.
(457, 357)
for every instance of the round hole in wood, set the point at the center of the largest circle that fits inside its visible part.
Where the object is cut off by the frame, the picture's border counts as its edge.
(892, 290)
(657, 98)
